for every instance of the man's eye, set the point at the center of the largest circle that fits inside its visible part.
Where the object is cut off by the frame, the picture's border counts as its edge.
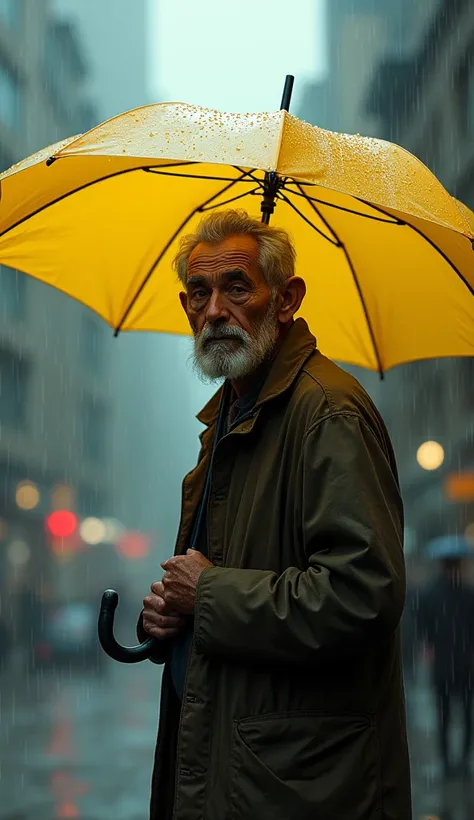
(199, 294)
(238, 290)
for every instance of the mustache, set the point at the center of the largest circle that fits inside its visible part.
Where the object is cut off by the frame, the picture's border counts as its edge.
(210, 333)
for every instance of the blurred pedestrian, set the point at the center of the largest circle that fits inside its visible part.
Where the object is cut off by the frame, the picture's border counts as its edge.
(447, 628)
(282, 692)
(5, 644)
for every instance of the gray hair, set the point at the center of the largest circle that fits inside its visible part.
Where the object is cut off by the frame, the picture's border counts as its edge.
(276, 256)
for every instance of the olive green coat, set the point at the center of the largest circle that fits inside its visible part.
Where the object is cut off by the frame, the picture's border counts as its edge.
(294, 705)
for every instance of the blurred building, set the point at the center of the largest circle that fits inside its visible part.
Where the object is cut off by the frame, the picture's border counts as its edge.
(55, 395)
(405, 72)
(155, 436)
(114, 37)
(425, 101)
(359, 34)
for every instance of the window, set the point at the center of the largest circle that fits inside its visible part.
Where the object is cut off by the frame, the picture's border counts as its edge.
(92, 343)
(465, 92)
(9, 98)
(94, 431)
(14, 377)
(12, 294)
(62, 48)
(10, 12)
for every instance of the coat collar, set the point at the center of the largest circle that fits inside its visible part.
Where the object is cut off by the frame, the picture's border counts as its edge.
(295, 350)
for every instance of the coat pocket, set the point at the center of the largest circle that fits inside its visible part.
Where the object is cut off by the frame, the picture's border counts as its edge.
(305, 765)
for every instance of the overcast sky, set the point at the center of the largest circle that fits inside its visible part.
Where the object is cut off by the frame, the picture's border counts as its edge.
(234, 56)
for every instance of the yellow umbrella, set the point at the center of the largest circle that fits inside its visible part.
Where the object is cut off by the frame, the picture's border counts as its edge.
(386, 252)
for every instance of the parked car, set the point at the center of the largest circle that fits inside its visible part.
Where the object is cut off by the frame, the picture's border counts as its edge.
(69, 637)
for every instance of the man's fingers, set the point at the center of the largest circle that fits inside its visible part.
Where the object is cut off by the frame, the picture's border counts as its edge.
(155, 602)
(158, 604)
(157, 588)
(172, 562)
(163, 621)
(158, 631)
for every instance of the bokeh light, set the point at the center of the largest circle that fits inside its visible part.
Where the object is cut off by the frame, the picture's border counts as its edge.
(92, 531)
(27, 495)
(134, 545)
(62, 497)
(62, 523)
(430, 455)
(18, 553)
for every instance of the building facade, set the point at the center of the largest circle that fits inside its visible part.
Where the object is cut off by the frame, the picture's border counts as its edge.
(56, 406)
(425, 101)
(359, 34)
(155, 437)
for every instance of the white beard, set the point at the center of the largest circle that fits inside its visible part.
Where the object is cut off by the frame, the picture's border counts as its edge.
(233, 360)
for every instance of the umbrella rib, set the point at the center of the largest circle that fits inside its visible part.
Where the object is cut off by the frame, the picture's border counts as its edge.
(318, 230)
(71, 193)
(157, 172)
(232, 199)
(433, 245)
(250, 174)
(356, 282)
(168, 245)
(390, 220)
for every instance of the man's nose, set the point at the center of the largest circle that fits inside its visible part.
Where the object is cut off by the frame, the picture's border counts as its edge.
(216, 308)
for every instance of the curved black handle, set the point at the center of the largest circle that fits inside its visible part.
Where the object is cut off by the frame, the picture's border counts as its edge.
(124, 654)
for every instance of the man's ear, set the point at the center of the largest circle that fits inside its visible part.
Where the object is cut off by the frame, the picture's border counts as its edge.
(291, 297)
(183, 298)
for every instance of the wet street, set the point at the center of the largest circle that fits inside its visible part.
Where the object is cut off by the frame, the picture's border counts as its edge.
(434, 799)
(80, 745)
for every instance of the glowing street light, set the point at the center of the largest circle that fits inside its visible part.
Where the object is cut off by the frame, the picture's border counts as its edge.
(430, 455)
(27, 495)
(92, 531)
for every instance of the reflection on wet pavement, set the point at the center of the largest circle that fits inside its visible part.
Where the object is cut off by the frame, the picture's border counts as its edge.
(78, 746)
(433, 798)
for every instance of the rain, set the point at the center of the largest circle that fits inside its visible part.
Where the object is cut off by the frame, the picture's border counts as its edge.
(97, 430)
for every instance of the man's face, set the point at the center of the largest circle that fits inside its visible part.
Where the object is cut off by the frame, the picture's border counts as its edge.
(230, 308)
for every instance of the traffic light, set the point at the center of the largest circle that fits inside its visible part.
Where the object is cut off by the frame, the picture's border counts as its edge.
(62, 529)
(61, 523)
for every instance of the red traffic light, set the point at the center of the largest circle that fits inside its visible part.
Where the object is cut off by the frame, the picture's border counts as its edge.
(62, 523)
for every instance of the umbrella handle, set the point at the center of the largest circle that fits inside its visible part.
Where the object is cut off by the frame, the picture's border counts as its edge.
(108, 642)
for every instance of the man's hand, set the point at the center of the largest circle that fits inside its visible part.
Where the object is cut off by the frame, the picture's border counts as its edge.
(180, 580)
(158, 619)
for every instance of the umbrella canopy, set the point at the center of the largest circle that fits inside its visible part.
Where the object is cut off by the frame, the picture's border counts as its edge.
(449, 546)
(386, 252)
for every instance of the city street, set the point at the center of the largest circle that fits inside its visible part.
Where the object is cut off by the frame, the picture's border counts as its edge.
(78, 746)
(81, 746)
(433, 799)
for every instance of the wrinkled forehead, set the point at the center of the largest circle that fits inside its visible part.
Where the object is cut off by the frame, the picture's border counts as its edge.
(236, 253)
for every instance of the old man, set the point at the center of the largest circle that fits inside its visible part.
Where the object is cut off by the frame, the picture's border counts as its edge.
(277, 618)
